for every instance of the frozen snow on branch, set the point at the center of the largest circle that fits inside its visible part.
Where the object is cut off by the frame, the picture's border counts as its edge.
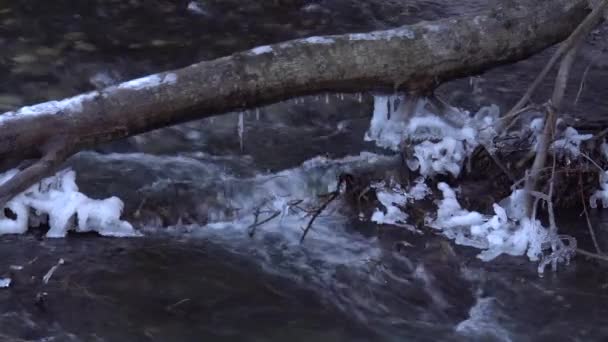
(71, 105)
(319, 40)
(261, 50)
(57, 201)
(402, 32)
(148, 82)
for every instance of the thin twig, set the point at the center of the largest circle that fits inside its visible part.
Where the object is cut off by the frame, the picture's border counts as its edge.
(582, 85)
(591, 231)
(592, 255)
(256, 224)
(318, 212)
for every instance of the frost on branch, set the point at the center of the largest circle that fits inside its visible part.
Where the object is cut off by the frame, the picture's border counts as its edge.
(57, 201)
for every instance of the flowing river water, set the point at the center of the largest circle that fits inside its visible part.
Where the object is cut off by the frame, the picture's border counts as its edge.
(191, 278)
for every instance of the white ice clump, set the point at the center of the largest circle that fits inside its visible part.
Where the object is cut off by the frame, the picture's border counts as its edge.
(5, 282)
(570, 142)
(567, 143)
(388, 127)
(506, 232)
(56, 200)
(261, 50)
(148, 82)
(195, 8)
(441, 143)
(602, 193)
(393, 198)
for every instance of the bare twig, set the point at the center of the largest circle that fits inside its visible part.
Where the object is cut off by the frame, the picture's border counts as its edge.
(592, 255)
(582, 85)
(330, 198)
(256, 224)
(591, 231)
(318, 212)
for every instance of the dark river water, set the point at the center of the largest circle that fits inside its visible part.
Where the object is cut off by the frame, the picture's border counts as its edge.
(196, 277)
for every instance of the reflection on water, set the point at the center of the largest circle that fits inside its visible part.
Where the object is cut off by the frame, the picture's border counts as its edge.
(191, 282)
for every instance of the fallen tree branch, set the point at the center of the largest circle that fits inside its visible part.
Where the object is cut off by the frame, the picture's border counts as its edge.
(415, 58)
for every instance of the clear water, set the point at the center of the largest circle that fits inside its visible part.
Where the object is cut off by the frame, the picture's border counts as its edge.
(185, 281)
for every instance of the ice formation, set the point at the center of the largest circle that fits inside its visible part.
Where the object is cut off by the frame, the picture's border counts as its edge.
(602, 193)
(5, 282)
(57, 201)
(508, 231)
(569, 142)
(441, 143)
(393, 198)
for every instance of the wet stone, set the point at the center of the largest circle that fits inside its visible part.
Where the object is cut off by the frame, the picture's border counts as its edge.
(47, 51)
(9, 101)
(25, 59)
(84, 46)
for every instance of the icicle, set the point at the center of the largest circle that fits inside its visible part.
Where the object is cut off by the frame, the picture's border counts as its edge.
(241, 129)
(257, 114)
(341, 97)
(327, 98)
(360, 97)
